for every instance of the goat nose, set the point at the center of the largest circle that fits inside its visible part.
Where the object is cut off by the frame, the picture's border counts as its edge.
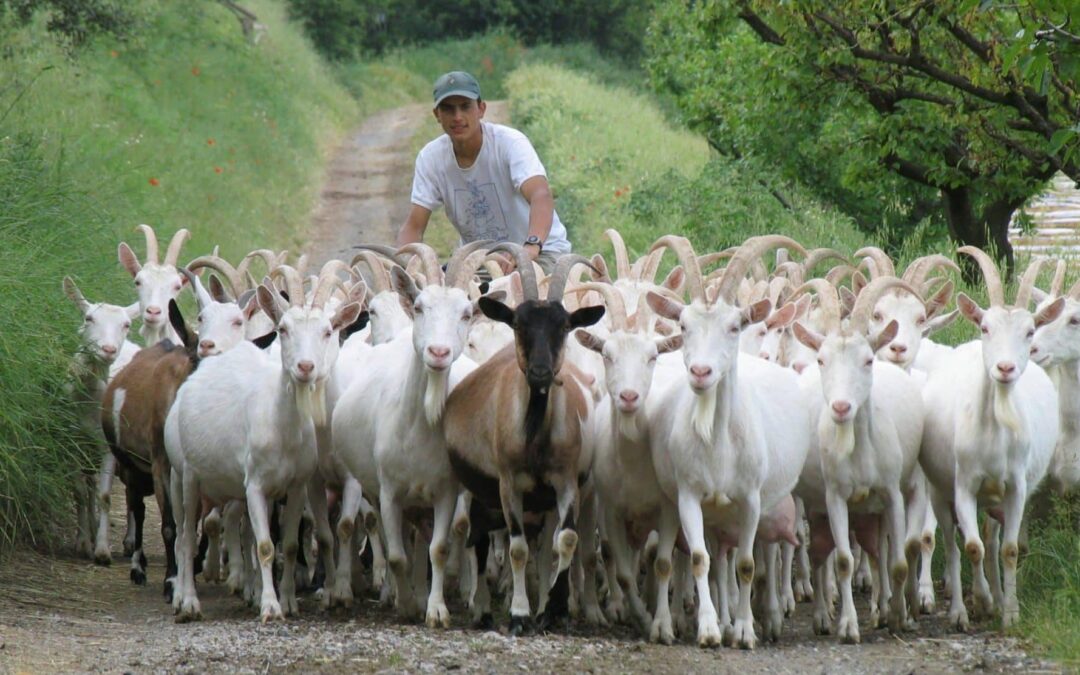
(206, 345)
(700, 371)
(1006, 367)
(108, 349)
(898, 349)
(629, 396)
(439, 352)
(305, 366)
(841, 407)
(153, 310)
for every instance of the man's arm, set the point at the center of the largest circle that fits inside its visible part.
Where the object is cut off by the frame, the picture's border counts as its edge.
(537, 192)
(413, 229)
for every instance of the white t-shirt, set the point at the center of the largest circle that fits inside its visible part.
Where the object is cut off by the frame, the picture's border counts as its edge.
(484, 201)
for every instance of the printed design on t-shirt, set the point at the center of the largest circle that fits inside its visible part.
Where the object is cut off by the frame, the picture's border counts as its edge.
(480, 212)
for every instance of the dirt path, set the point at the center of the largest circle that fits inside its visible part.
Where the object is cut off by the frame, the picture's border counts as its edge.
(62, 614)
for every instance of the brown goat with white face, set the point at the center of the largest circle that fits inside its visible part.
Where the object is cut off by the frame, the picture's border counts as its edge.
(514, 427)
(133, 412)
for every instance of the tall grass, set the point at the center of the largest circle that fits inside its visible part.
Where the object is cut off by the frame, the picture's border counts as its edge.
(186, 125)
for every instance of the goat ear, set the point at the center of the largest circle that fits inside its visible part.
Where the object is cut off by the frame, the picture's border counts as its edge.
(358, 293)
(858, 282)
(802, 306)
(939, 322)
(807, 337)
(782, 317)
(264, 341)
(939, 299)
(669, 344)
(847, 301)
(971, 311)
(270, 303)
(495, 310)
(587, 316)
(484, 287)
(354, 327)
(756, 312)
(886, 336)
(675, 278)
(217, 290)
(404, 284)
(133, 310)
(601, 272)
(1049, 313)
(665, 307)
(176, 320)
(345, 316)
(499, 296)
(589, 341)
(73, 292)
(128, 259)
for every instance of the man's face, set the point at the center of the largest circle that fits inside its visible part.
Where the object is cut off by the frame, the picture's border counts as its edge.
(460, 117)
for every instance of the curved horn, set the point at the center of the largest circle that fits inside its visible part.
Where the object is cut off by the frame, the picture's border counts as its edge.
(715, 257)
(920, 268)
(561, 273)
(882, 261)
(776, 289)
(751, 250)
(1027, 282)
(685, 252)
(430, 259)
(220, 265)
(151, 243)
(652, 265)
(268, 257)
(990, 274)
(837, 274)
(828, 301)
(328, 281)
(524, 268)
(616, 306)
(177, 242)
(793, 271)
(380, 276)
(868, 297)
(622, 260)
(819, 255)
(294, 283)
(1059, 278)
(494, 269)
(457, 273)
(202, 297)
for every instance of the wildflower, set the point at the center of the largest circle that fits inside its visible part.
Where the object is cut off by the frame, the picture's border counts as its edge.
(218, 169)
(154, 182)
(210, 141)
(195, 71)
(113, 53)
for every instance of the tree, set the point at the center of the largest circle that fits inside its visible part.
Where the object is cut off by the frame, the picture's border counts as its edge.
(972, 104)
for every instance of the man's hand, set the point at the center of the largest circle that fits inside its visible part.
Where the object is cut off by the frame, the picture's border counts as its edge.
(533, 251)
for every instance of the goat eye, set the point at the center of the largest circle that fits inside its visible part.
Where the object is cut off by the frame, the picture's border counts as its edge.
(652, 359)
(237, 323)
(1074, 321)
(821, 363)
(417, 309)
(985, 330)
(283, 330)
(89, 319)
(138, 282)
(921, 320)
(869, 362)
(1031, 333)
(877, 316)
(127, 325)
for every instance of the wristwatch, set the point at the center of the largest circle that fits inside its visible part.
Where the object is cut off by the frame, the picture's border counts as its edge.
(535, 241)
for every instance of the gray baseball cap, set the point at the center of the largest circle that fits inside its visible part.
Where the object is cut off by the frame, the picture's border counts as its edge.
(456, 83)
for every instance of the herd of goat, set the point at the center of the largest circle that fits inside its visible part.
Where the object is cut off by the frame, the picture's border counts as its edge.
(740, 436)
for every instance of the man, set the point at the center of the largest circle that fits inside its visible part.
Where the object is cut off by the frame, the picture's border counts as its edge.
(488, 177)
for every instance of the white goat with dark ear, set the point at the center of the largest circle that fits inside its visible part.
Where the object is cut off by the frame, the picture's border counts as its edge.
(869, 429)
(387, 426)
(245, 425)
(155, 282)
(1056, 347)
(991, 427)
(221, 325)
(726, 448)
(103, 350)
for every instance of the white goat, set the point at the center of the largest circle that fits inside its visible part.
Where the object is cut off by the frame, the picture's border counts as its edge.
(155, 282)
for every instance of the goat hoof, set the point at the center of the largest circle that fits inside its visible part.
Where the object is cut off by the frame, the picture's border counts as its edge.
(485, 622)
(167, 590)
(551, 621)
(138, 577)
(103, 559)
(519, 625)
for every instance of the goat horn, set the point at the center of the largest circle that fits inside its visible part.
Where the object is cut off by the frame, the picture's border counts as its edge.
(920, 268)
(751, 250)
(151, 243)
(268, 257)
(716, 256)
(828, 300)
(684, 250)
(793, 271)
(613, 299)
(837, 274)
(294, 283)
(457, 272)
(882, 261)
(776, 289)
(524, 268)
(1027, 282)
(561, 273)
(1059, 278)
(990, 274)
(432, 269)
(327, 281)
(652, 265)
(236, 282)
(202, 297)
(622, 260)
(819, 255)
(859, 320)
(380, 276)
(175, 244)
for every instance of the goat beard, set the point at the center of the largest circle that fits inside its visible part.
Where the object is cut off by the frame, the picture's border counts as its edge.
(704, 415)
(311, 401)
(842, 442)
(435, 395)
(628, 425)
(1004, 409)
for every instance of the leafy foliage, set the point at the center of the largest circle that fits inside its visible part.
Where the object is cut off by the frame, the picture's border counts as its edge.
(76, 20)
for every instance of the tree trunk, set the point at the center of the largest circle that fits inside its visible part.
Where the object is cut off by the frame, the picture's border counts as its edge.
(988, 230)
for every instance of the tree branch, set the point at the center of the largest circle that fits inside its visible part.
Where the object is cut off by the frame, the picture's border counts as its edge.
(965, 38)
(734, 153)
(909, 170)
(758, 25)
